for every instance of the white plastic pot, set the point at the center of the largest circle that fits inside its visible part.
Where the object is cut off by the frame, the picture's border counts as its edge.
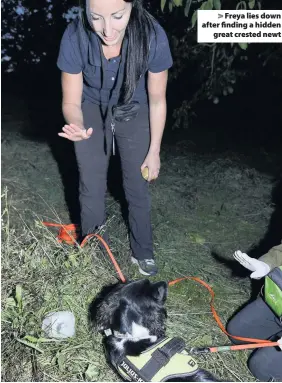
(60, 324)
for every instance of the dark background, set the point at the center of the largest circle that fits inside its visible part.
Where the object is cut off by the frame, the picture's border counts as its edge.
(248, 121)
(251, 115)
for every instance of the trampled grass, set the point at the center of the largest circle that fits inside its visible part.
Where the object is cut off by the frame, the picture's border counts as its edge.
(202, 205)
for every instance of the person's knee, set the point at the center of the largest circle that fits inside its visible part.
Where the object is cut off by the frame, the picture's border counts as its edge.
(92, 182)
(234, 328)
(264, 365)
(256, 369)
(137, 192)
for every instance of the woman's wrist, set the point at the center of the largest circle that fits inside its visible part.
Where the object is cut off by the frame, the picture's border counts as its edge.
(154, 149)
(73, 115)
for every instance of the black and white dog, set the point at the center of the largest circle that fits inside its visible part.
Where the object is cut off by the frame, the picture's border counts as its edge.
(132, 316)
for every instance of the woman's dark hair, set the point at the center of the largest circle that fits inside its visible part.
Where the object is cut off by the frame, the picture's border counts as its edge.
(139, 31)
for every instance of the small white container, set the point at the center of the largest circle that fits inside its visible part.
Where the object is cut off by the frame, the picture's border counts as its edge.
(60, 324)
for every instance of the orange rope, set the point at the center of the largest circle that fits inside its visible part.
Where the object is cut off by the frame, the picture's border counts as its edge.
(69, 234)
(122, 278)
(216, 316)
(243, 346)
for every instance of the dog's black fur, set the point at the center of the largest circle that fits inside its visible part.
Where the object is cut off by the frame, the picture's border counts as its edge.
(119, 307)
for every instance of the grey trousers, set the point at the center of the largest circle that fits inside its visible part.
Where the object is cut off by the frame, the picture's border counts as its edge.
(257, 320)
(132, 140)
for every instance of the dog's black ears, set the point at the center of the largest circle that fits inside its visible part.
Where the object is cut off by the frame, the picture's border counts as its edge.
(159, 291)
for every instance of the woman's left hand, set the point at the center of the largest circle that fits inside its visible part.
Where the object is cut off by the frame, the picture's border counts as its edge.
(153, 163)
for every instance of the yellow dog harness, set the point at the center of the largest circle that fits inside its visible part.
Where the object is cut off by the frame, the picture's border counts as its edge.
(164, 360)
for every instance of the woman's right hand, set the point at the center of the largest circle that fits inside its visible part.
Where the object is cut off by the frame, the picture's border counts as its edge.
(74, 133)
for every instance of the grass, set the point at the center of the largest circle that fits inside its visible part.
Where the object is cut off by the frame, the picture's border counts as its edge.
(202, 205)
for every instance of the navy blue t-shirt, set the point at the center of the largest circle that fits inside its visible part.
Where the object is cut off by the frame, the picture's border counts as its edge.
(78, 53)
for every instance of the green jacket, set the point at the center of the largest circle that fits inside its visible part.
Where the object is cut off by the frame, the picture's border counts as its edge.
(273, 258)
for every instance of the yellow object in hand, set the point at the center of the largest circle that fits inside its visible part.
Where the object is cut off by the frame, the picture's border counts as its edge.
(145, 173)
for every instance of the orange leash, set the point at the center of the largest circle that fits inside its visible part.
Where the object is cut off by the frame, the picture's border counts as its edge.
(122, 278)
(262, 342)
(238, 347)
(69, 235)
